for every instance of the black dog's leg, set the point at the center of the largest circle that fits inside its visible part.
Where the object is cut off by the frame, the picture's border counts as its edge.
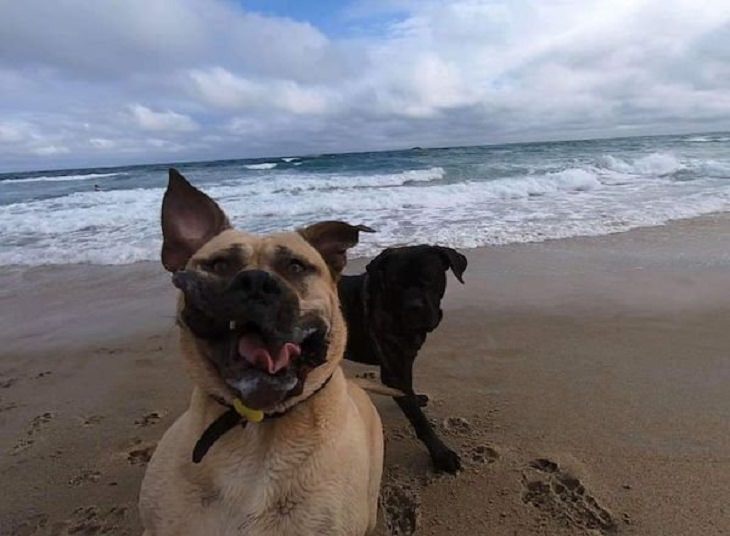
(399, 374)
(444, 459)
(421, 400)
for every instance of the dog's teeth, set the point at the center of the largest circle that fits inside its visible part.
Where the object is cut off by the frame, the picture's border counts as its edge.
(232, 325)
(300, 334)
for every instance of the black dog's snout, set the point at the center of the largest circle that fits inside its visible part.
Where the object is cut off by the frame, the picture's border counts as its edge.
(414, 306)
(256, 285)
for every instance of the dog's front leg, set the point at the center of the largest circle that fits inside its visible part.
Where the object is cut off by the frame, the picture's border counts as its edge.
(444, 459)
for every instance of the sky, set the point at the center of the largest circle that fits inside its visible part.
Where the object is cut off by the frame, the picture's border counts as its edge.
(114, 82)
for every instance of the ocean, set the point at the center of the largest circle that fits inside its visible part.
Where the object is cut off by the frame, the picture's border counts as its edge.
(462, 197)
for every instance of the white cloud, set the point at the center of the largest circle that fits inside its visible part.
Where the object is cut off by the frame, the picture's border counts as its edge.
(50, 150)
(12, 133)
(103, 39)
(441, 72)
(165, 145)
(221, 88)
(102, 143)
(168, 120)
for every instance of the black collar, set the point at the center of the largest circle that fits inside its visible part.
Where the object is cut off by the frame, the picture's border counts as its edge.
(230, 419)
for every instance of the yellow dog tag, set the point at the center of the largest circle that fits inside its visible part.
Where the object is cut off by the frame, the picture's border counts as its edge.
(250, 414)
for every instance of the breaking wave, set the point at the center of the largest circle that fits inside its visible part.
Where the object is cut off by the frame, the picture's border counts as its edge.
(442, 197)
(61, 178)
(264, 165)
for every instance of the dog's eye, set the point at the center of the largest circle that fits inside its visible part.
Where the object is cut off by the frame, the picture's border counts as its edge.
(218, 266)
(296, 266)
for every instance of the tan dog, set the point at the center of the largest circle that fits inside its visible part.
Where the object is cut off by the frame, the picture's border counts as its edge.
(262, 335)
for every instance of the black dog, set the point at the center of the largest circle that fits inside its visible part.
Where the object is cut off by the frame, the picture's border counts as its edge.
(389, 310)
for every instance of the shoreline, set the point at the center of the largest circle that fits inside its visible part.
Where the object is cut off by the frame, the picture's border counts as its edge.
(596, 360)
(358, 261)
(39, 316)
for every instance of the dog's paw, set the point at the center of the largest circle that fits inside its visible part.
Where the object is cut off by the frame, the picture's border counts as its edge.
(421, 400)
(447, 461)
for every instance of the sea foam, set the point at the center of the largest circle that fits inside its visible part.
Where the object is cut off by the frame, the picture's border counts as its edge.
(61, 178)
(263, 165)
(486, 197)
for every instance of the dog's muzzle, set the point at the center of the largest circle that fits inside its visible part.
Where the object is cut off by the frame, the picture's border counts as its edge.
(261, 345)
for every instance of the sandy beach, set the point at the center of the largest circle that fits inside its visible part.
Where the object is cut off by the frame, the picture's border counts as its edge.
(583, 381)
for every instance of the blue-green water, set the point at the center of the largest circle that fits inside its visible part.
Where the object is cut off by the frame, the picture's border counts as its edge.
(464, 196)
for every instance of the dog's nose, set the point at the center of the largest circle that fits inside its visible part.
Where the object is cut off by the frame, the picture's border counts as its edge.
(256, 285)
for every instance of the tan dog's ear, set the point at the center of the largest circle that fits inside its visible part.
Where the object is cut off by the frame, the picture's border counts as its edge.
(332, 239)
(189, 219)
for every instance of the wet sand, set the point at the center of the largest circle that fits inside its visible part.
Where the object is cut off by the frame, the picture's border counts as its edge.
(583, 381)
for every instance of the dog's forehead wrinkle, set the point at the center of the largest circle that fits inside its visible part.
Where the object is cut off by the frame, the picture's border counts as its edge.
(291, 241)
(279, 245)
(228, 239)
(282, 251)
(234, 251)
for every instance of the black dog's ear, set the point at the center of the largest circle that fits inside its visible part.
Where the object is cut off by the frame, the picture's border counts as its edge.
(332, 239)
(455, 260)
(189, 219)
(379, 262)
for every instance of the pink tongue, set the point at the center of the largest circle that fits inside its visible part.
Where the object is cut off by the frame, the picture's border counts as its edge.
(253, 350)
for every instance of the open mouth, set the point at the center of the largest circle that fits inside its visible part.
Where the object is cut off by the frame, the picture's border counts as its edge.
(261, 346)
(269, 352)
(266, 366)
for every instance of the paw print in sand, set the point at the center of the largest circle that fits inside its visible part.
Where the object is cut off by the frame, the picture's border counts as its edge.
(564, 497)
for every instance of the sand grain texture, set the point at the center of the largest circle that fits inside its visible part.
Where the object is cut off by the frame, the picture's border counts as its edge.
(583, 381)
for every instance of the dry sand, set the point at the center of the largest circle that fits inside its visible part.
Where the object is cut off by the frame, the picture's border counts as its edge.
(584, 382)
